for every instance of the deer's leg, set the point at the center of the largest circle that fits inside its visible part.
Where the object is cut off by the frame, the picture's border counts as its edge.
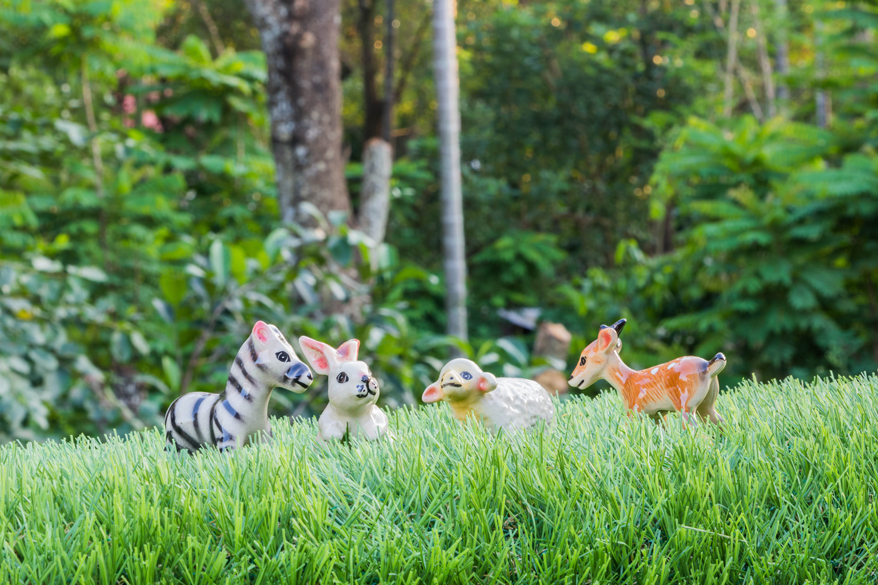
(707, 407)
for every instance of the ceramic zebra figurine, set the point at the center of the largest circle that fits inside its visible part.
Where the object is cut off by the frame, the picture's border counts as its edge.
(233, 418)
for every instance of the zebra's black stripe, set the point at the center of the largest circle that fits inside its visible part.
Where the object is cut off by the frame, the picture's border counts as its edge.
(232, 410)
(244, 371)
(195, 419)
(253, 355)
(169, 437)
(237, 385)
(180, 432)
(212, 417)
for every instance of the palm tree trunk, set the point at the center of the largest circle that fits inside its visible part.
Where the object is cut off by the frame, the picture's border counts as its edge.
(731, 59)
(447, 94)
(782, 60)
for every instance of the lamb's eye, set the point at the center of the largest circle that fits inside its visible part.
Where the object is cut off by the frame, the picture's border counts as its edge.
(466, 376)
(582, 361)
(342, 378)
(282, 356)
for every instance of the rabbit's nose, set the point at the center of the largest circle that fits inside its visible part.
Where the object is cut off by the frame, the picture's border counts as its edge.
(365, 378)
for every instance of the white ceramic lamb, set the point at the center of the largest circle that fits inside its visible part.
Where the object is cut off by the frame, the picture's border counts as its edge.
(500, 403)
(353, 391)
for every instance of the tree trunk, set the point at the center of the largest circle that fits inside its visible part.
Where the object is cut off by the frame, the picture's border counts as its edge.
(731, 60)
(374, 106)
(764, 61)
(387, 126)
(447, 94)
(821, 99)
(300, 40)
(783, 55)
(375, 195)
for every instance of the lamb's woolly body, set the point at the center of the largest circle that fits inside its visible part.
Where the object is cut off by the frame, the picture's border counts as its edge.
(515, 404)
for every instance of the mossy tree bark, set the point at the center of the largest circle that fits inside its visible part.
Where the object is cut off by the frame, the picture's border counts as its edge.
(300, 40)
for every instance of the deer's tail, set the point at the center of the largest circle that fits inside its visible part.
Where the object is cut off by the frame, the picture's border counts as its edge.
(716, 365)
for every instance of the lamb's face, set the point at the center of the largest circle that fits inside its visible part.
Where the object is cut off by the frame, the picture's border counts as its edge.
(460, 380)
(352, 386)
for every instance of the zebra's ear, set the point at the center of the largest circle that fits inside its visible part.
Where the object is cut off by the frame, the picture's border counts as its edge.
(261, 332)
(320, 355)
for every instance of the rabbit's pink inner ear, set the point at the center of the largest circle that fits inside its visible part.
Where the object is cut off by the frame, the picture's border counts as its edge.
(315, 353)
(348, 350)
(433, 393)
(260, 330)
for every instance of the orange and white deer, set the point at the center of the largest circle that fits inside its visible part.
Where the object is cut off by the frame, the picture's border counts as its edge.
(687, 384)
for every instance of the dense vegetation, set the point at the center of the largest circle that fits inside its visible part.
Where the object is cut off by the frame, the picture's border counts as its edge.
(785, 493)
(611, 169)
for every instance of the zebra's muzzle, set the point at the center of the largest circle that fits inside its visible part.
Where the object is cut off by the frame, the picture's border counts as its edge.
(297, 371)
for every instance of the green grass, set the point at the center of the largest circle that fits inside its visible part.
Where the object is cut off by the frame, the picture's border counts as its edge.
(785, 494)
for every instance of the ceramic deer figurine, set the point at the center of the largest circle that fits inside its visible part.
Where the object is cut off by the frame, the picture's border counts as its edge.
(233, 418)
(500, 403)
(353, 392)
(687, 384)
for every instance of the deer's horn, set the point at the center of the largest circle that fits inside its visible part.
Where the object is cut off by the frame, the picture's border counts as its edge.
(619, 325)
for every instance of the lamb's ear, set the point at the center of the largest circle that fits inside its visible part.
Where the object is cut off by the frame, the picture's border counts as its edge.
(487, 382)
(433, 393)
(320, 355)
(347, 351)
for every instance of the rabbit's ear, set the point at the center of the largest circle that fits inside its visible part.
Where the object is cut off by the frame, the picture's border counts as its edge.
(347, 351)
(320, 355)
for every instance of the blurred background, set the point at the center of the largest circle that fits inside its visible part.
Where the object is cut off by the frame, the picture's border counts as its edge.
(705, 169)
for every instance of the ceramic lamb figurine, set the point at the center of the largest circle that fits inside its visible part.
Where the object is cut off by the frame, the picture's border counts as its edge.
(232, 419)
(686, 384)
(501, 403)
(353, 391)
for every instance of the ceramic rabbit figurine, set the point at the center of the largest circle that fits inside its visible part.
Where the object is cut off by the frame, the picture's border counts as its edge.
(686, 384)
(500, 403)
(232, 419)
(353, 391)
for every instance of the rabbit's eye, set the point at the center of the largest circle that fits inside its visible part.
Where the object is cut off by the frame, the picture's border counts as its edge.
(282, 356)
(342, 378)
(466, 376)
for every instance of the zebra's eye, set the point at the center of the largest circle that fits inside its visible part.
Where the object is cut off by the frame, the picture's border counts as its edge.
(342, 378)
(466, 376)
(282, 356)
(582, 361)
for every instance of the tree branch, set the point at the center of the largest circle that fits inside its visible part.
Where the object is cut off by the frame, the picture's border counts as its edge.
(211, 27)
(96, 157)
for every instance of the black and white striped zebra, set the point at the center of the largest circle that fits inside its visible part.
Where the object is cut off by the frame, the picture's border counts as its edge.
(233, 418)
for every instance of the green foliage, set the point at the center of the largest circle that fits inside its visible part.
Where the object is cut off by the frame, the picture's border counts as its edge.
(598, 498)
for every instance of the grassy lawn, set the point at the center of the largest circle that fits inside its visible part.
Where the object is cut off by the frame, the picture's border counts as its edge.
(785, 494)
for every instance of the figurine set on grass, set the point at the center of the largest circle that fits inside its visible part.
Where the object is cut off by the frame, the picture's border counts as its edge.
(238, 415)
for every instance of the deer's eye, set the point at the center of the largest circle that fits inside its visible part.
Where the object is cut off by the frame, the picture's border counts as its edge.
(466, 376)
(342, 378)
(582, 361)
(282, 356)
